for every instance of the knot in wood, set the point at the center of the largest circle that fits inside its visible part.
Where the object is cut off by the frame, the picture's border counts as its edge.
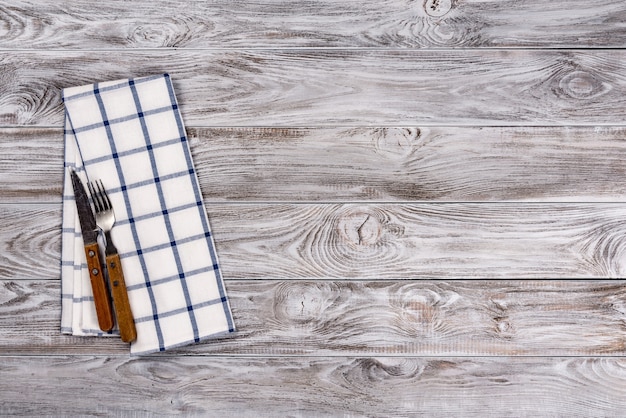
(301, 304)
(420, 311)
(437, 8)
(362, 373)
(582, 85)
(165, 34)
(504, 328)
(360, 227)
(395, 143)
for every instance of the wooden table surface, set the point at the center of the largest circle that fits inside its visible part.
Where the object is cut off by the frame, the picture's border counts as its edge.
(418, 205)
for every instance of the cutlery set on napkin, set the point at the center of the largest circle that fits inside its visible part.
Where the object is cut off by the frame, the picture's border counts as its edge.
(138, 258)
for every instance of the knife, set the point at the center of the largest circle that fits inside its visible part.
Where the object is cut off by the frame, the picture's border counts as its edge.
(101, 296)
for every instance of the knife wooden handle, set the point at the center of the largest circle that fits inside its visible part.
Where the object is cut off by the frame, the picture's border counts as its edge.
(125, 320)
(101, 297)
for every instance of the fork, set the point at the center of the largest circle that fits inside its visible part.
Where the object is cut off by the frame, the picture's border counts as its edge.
(105, 219)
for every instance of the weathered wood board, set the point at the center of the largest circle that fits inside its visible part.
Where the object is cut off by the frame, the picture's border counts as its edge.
(315, 386)
(378, 241)
(418, 205)
(319, 23)
(363, 318)
(342, 87)
(402, 164)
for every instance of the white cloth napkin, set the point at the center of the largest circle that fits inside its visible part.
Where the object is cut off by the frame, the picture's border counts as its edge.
(130, 134)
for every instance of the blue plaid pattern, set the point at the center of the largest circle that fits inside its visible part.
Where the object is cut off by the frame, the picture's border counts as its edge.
(129, 134)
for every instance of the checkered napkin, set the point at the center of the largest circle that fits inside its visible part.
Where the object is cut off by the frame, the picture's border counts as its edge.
(129, 134)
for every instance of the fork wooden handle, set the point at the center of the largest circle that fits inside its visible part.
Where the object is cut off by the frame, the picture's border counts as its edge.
(101, 298)
(125, 320)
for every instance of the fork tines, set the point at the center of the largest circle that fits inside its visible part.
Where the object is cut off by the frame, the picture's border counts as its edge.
(99, 196)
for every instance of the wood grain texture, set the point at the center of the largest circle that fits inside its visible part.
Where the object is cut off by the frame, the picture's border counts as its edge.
(31, 165)
(402, 164)
(398, 319)
(266, 164)
(339, 87)
(390, 241)
(401, 193)
(371, 241)
(317, 386)
(30, 241)
(320, 23)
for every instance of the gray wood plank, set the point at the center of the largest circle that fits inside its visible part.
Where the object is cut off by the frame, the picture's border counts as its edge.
(410, 164)
(315, 386)
(365, 164)
(320, 23)
(351, 241)
(30, 241)
(371, 241)
(339, 87)
(363, 308)
(391, 318)
(31, 165)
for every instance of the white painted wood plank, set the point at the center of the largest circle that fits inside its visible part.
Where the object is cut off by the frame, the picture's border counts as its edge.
(350, 241)
(31, 165)
(315, 386)
(411, 164)
(363, 318)
(339, 87)
(335, 310)
(362, 164)
(371, 241)
(320, 23)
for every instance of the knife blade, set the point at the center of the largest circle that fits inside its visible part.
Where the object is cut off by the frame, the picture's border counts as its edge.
(89, 229)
